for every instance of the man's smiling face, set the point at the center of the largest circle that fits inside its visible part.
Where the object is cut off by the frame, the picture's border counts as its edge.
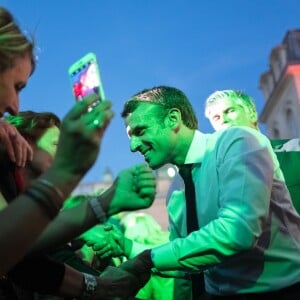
(150, 135)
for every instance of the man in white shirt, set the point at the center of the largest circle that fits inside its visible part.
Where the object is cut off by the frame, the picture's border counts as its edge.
(248, 238)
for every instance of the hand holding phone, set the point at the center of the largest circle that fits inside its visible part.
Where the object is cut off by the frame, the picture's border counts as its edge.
(85, 78)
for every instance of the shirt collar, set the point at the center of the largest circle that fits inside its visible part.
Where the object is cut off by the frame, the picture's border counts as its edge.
(197, 148)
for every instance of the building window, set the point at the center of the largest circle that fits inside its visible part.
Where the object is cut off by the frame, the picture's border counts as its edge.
(275, 133)
(291, 123)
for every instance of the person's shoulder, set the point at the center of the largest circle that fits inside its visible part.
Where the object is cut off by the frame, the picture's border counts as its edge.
(244, 133)
(236, 131)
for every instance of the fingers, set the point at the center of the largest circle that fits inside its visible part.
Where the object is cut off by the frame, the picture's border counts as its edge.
(18, 149)
(143, 173)
(118, 236)
(81, 130)
(100, 112)
(104, 244)
(23, 151)
(137, 185)
(95, 122)
(142, 168)
(144, 182)
(89, 124)
(80, 108)
(100, 116)
(6, 141)
(107, 249)
(102, 250)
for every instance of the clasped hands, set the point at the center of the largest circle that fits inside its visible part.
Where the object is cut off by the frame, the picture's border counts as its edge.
(105, 240)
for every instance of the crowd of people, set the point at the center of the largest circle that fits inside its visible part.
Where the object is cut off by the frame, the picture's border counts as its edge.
(32, 222)
(234, 227)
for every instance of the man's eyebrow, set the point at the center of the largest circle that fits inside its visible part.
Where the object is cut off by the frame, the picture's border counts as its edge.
(230, 107)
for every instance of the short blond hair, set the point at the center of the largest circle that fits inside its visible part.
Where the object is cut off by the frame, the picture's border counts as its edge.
(238, 96)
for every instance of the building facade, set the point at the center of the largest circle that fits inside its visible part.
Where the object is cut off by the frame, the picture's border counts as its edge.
(280, 86)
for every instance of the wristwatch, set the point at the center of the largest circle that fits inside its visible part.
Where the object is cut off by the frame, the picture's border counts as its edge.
(90, 286)
(98, 210)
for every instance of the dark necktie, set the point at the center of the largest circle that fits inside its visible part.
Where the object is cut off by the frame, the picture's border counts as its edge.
(185, 172)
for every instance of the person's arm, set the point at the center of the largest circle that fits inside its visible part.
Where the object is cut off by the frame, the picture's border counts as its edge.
(133, 189)
(39, 273)
(27, 216)
(113, 283)
(72, 284)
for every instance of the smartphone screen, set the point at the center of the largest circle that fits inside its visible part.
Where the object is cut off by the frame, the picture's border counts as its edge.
(85, 78)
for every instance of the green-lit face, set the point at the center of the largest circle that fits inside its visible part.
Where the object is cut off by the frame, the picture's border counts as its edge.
(227, 113)
(49, 140)
(151, 135)
(44, 150)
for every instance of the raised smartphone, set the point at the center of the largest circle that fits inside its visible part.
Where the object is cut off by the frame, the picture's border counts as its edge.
(85, 78)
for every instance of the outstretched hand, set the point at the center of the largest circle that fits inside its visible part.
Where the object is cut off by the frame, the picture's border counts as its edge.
(140, 266)
(115, 283)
